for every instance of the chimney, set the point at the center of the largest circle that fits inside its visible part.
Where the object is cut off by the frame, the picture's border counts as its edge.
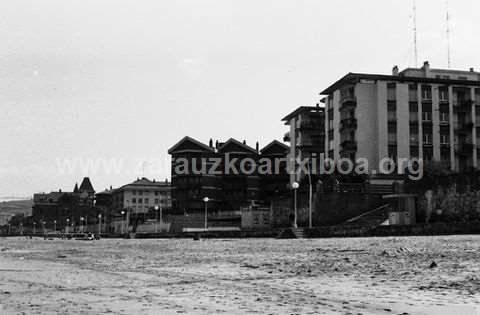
(154, 180)
(257, 146)
(245, 142)
(210, 143)
(472, 70)
(216, 144)
(166, 180)
(395, 71)
(318, 105)
(110, 187)
(426, 68)
(59, 190)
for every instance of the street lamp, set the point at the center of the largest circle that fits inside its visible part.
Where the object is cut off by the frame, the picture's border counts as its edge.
(81, 223)
(206, 200)
(54, 226)
(295, 186)
(123, 221)
(34, 228)
(157, 208)
(99, 224)
(44, 223)
(66, 226)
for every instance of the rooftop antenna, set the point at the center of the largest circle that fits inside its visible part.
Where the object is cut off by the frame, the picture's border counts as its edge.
(448, 35)
(415, 48)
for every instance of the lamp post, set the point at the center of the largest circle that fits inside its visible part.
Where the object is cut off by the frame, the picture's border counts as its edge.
(295, 186)
(21, 228)
(123, 221)
(99, 224)
(157, 208)
(9, 225)
(34, 228)
(81, 224)
(54, 226)
(44, 227)
(66, 226)
(206, 199)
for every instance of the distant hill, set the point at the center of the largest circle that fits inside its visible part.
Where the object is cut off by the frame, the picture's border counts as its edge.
(17, 207)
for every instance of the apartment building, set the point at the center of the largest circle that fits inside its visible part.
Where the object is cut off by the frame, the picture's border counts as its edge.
(141, 196)
(422, 112)
(306, 135)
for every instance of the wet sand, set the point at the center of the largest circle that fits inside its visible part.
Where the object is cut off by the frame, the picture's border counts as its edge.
(249, 276)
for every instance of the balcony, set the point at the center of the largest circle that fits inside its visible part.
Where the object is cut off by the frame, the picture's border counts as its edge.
(348, 123)
(464, 149)
(349, 145)
(464, 127)
(310, 142)
(463, 106)
(348, 101)
(312, 125)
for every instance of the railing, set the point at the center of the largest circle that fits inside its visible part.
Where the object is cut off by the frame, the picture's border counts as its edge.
(348, 123)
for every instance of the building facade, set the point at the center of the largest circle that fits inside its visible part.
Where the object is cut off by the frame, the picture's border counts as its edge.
(306, 135)
(140, 197)
(433, 114)
(226, 189)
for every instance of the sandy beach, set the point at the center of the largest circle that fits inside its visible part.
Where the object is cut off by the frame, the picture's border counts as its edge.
(249, 276)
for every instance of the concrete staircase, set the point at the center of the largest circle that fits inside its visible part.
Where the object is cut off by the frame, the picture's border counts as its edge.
(372, 218)
(291, 233)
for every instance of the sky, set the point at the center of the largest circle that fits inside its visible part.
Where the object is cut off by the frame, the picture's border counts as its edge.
(120, 82)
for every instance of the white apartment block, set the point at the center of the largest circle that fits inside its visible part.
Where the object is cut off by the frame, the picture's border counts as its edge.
(429, 113)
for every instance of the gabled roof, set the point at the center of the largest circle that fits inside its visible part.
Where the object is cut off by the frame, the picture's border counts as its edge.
(275, 147)
(235, 144)
(181, 146)
(86, 185)
(302, 109)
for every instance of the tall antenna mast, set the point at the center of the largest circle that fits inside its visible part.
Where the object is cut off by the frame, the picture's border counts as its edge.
(448, 35)
(415, 48)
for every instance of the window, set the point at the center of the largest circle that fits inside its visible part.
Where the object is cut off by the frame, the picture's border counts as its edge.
(146, 200)
(156, 193)
(134, 192)
(156, 200)
(412, 93)
(444, 117)
(391, 91)
(140, 200)
(414, 138)
(426, 93)
(426, 116)
(134, 200)
(427, 138)
(330, 124)
(444, 139)
(443, 94)
(140, 192)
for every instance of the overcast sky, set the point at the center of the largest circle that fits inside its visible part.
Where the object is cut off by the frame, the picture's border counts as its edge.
(128, 79)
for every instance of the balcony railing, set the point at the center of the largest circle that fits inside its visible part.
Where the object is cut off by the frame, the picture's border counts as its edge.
(463, 106)
(465, 148)
(348, 123)
(347, 101)
(349, 145)
(312, 124)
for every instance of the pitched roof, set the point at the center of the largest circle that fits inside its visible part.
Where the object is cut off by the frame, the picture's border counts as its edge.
(75, 189)
(86, 185)
(178, 146)
(235, 143)
(275, 147)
